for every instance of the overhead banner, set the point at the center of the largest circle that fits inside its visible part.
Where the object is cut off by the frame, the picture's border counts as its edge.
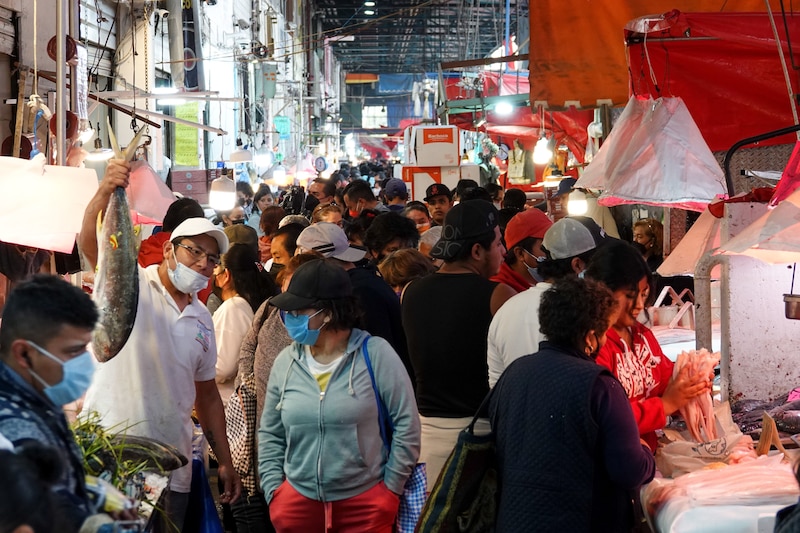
(187, 137)
(270, 73)
(283, 127)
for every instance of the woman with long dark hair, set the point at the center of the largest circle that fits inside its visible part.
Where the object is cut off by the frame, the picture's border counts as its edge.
(632, 352)
(242, 284)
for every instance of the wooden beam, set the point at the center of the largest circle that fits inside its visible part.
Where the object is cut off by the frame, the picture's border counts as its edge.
(447, 65)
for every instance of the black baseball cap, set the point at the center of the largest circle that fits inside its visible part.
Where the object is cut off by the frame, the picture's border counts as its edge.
(466, 223)
(437, 189)
(311, 282)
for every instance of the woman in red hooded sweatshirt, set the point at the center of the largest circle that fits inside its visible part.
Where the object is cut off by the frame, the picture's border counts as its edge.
(632, 352)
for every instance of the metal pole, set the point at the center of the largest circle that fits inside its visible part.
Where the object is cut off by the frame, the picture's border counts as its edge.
(61, 84)
(74, 32)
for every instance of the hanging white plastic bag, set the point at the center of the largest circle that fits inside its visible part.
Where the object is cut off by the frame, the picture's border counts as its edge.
(655, 155)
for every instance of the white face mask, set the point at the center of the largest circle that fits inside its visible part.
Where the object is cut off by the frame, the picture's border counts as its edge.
(184, 278)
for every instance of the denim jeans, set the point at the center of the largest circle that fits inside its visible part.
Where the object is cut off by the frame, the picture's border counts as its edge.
(251, 514)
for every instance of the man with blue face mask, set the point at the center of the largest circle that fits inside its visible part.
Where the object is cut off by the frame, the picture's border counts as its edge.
(167, 366)
(44, 364)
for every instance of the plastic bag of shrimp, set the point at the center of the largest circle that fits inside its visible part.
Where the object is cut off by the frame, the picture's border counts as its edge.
(678, 453)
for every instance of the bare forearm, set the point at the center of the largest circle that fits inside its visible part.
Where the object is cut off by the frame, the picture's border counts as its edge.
(211, 415)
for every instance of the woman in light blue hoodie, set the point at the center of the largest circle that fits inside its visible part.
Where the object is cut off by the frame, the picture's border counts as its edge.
(322, 461)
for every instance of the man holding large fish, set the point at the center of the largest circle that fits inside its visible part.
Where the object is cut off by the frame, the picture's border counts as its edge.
(167, 364)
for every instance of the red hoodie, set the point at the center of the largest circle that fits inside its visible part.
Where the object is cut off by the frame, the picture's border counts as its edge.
(151, 252)
(644, 372)
(508, 276)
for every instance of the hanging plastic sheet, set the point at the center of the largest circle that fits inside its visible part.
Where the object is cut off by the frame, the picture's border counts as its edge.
(42, 206)
(774, 237)
(655, 155)
(790, 179)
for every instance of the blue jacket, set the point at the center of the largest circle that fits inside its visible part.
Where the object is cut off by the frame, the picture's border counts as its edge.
(27, 416)
(328, 444)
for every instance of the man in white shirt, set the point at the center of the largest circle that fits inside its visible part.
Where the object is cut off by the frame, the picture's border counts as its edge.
(514, 331)
(167, 365)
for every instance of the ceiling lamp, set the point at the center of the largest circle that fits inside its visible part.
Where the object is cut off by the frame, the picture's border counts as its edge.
(369, 12)
(577, 204)
(222, 196)
(99, 153)
(503, 108)
(241, 154)
(542, 152)
(369, 3)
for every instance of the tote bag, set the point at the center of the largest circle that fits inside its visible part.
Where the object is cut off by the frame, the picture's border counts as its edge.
(413, 497)
(464, 497)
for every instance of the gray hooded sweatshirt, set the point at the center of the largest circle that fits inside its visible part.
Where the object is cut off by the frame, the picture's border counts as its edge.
(328, 444)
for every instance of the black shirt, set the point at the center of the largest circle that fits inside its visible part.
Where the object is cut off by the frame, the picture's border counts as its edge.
(446, 318)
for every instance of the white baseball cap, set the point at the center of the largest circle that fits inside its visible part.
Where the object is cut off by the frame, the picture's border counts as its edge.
(329, 240)
(201, 226)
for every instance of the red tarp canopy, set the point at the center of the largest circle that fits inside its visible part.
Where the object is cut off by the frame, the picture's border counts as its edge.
(577, 51)
(728, 71)
(524, 124)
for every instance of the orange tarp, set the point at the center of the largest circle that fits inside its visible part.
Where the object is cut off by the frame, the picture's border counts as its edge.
(577, 50)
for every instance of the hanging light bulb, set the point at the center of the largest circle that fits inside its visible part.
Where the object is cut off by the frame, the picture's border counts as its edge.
(99, 153)
(222, 196)
(503, 108)
(241, 154)
(577, 204)
(279, 175)
(542, 152)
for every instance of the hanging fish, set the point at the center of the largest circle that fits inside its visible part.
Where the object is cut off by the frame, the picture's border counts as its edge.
(116, 285)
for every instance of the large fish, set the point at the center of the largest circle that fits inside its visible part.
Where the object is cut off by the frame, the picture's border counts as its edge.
(116, 283)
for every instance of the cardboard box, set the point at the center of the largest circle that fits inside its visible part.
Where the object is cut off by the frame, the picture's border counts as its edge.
(470, 171)
(191, 183)
(420, 178)
(433, 146)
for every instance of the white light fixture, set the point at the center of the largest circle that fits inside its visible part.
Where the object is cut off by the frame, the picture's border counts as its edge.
(222, 196)
(279, 175)
(99, 153)
(542, 153)
(369, 12)
(240, 155)
(503, 108)
(263, 157)
(368, 3)
(576, 203)
(165, 102)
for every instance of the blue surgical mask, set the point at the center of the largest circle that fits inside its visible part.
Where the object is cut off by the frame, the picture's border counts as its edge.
(534, 271)
(184, 278)
(297, 327)
(77, 377)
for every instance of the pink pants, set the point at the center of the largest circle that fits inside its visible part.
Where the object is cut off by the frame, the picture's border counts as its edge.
(374, 510)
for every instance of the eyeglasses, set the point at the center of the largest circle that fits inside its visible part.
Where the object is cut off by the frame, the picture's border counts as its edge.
(199, 254)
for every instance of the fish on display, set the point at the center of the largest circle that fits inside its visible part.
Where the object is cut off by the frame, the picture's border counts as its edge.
(116, 285)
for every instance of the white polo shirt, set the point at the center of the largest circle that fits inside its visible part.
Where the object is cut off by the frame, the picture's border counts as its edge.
(148, 389)
(514, 330)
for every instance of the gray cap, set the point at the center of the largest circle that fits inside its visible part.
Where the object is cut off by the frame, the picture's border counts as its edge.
(572, 236)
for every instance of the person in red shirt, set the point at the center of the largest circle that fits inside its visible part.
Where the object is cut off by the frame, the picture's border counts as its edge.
(523, 238)
(632, 352)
